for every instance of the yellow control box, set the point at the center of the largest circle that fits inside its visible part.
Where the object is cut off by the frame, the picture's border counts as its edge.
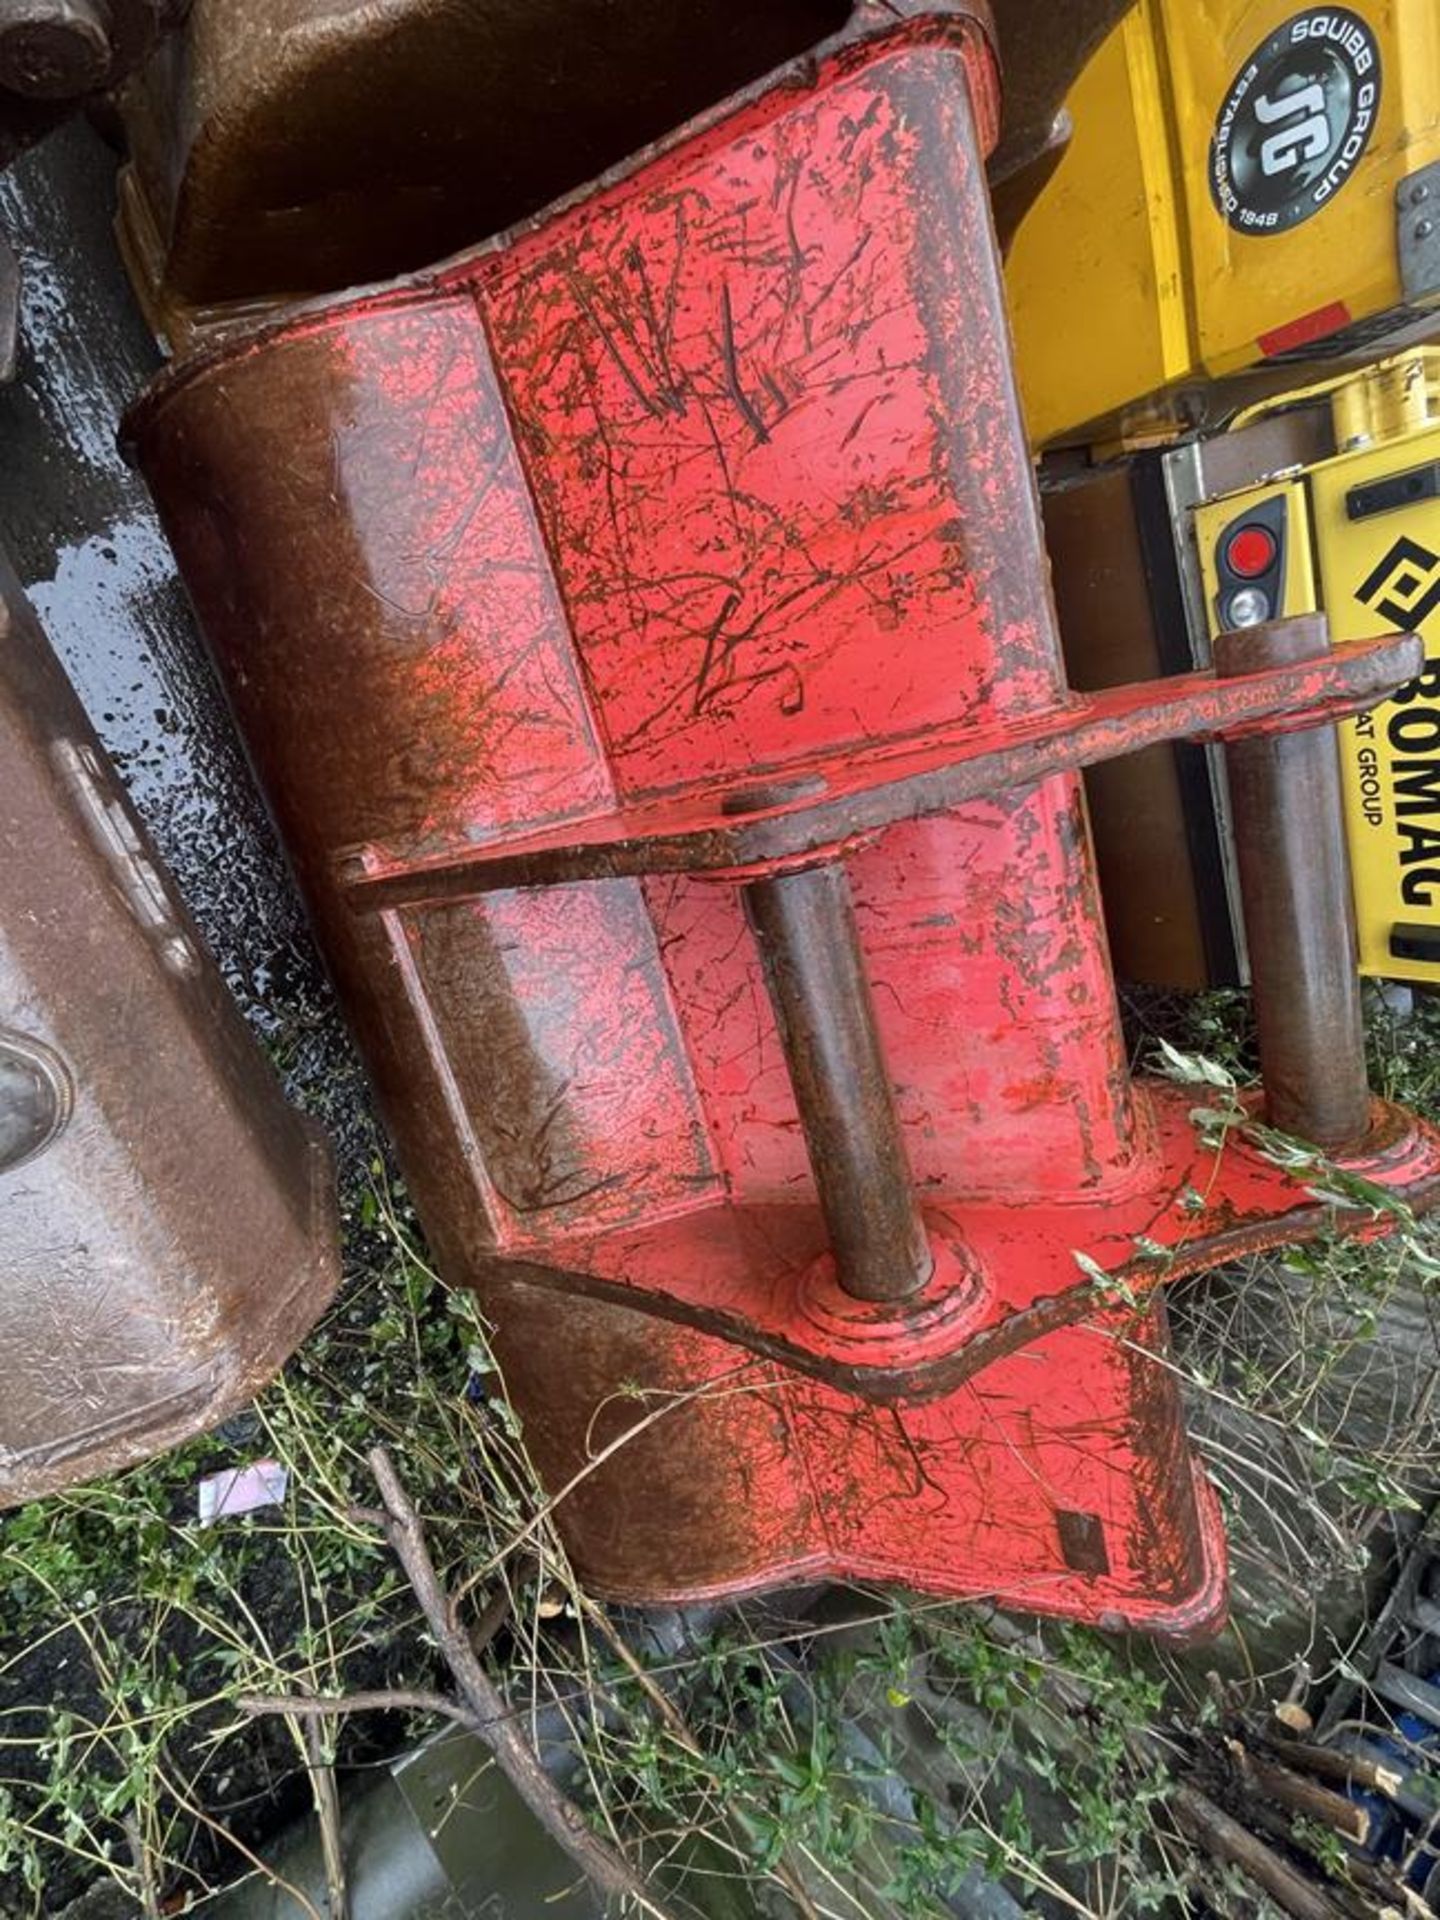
(1358, 535)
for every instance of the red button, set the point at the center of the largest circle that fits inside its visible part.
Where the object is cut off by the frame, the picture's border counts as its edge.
(1251, 552)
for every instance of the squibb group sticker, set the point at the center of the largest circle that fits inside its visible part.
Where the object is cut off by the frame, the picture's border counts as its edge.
(1296, 120)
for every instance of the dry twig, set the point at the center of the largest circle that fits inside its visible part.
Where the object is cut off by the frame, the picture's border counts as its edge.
(327, 1812)
(482, 1707)
(146, 1890)
(310, 1706)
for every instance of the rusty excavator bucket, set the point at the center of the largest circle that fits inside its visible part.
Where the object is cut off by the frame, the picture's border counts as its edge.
(246, 186)
(169, 1225)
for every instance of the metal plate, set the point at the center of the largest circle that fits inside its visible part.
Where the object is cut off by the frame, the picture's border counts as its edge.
(1417, 233)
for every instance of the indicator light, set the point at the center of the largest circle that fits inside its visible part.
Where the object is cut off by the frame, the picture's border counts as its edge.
(1250, 551)
(1247, 608)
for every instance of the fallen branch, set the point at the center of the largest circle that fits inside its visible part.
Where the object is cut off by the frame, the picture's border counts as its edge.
(1227, 1841)
(1334, 1763)
(493, 1724)
(402, 1529)
(1307, 1797)
(314, 1706)
(481, 1709)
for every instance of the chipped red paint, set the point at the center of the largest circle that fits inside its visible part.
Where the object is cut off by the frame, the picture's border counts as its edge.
(518, 575)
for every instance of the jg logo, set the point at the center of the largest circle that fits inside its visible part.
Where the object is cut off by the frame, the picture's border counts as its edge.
(1297, 118)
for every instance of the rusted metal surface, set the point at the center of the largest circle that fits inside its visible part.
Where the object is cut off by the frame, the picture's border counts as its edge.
(1299, 908)
(663, 549)
(54, 49)
(58, 55)
(168, 1223)
(248, 184)
(702, 831)
(804, 925)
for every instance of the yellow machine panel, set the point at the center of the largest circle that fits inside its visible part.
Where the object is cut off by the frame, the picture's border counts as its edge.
(1241, 188)
(1290, 194)
(1295, 590)
(1359, 536)
(1376, 516)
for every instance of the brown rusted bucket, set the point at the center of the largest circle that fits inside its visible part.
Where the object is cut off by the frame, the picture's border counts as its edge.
(168, 1223)
(286, 147)
(290, 147)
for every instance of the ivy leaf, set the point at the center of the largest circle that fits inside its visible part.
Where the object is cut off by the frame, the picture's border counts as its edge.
(1193, 1069)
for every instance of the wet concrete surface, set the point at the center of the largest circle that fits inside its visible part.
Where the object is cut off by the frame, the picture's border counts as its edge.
(85, 541)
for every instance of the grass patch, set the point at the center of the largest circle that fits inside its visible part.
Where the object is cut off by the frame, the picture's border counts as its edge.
(873, 1758)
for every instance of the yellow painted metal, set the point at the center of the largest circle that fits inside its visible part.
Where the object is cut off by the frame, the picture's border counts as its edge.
(1096, 272)
(1378, 572)
(1395, 397)
(1244, 285)
(1128, 286)
(1373, 563)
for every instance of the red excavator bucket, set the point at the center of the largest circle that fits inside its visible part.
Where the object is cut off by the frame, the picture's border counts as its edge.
(640, 625)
